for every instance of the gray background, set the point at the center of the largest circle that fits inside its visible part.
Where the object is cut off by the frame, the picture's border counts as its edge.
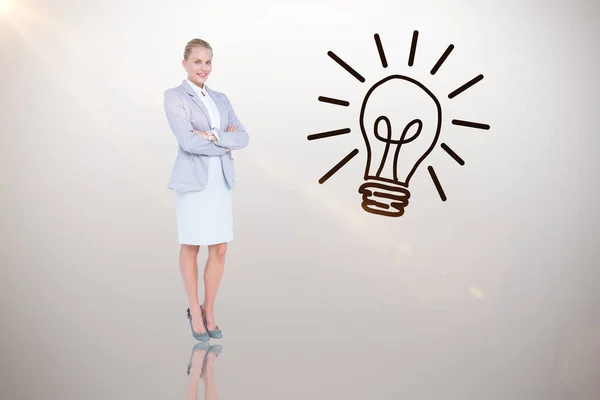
(489, 295)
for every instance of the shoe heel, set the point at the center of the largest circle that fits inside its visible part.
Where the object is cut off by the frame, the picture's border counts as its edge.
(202, 337)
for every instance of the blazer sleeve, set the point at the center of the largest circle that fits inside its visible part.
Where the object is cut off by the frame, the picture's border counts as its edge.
(232, 140)
(181, 126)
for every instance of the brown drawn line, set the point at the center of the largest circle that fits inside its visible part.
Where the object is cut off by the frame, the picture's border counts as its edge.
(328, 134)
(376, 203)
(339, 165)
(334, 101)
(390, 196)
(470, 124)
(465, 86)
(345, 66)
(436, 182)
(380, 50)
(413, 48)
(452, 154)
(442, 59)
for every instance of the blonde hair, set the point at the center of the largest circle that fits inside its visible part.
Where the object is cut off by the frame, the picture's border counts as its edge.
(195, 43)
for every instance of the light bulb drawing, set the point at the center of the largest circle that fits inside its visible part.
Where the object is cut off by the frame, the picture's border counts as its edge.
(387, 193)
(401, 122)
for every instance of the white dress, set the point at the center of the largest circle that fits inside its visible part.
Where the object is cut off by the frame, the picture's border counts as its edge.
(205, 217)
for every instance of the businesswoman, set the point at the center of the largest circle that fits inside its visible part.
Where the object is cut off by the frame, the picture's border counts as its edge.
(203, 176)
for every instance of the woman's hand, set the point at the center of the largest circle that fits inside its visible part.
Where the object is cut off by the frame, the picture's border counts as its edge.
(206, 135)
(201, 133)
(231, 128)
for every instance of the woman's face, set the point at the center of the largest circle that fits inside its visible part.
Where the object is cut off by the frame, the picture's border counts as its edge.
(198, 65)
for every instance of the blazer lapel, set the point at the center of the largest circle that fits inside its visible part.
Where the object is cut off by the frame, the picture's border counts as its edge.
(195, 98)
(223, 115)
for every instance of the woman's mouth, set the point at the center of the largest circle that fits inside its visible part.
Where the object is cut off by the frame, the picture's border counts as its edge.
(202, 75)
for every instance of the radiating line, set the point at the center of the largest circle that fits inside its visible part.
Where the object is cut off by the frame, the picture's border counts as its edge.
(380, 50)
(413, 48)
(442, 59)
(345, 66)
(437, 183)
(465, 86)
(452, 154)
(470, 124)
(338, 166)
(334, 101)
(328, 134)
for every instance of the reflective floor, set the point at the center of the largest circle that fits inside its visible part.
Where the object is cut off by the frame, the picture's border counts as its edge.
(128, 349)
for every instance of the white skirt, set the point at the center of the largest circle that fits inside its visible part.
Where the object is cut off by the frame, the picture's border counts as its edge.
(205, 217)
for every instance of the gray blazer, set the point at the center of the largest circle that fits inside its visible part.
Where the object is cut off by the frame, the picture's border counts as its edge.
(185, 112)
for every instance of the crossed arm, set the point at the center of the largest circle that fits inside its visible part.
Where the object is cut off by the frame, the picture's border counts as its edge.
(199, 142)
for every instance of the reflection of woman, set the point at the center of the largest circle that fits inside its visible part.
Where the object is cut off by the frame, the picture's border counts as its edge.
(207, 129)
(202, 366)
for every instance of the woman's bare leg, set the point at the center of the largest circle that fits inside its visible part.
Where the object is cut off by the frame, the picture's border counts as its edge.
(188, 264)
(213, 273)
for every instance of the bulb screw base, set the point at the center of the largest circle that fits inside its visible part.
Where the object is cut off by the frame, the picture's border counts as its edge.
(385, 199)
